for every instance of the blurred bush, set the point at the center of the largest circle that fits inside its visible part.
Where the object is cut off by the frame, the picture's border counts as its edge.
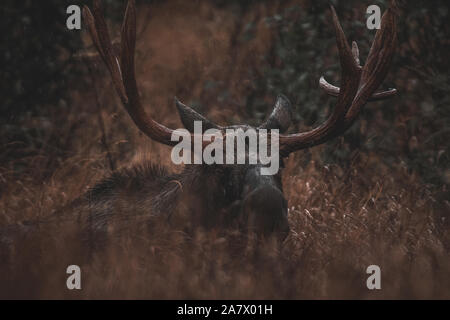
(37, 67)
(37, 55)
(423, 52)
(39, 71)
(35, 58)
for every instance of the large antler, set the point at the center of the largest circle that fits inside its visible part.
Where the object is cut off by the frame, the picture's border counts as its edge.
(358, 83)
(123, 70)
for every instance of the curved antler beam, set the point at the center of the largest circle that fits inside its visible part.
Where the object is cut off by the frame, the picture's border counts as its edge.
(122, 69)
(358, 83)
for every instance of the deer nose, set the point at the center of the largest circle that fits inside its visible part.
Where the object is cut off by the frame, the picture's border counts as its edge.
(265, 209)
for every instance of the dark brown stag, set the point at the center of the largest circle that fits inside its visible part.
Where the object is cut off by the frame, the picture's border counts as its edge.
(222, 195)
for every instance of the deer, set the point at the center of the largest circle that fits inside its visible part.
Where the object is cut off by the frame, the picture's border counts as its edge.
(220, 196)
(216, 196)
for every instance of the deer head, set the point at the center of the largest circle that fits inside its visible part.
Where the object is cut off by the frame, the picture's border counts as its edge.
(240, 190)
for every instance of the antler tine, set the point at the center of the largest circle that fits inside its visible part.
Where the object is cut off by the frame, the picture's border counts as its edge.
(334, 91)
(100, 36)
(123, 72)
(90, 21)
(358, 84)
(378, 62)
(350, 74)
(355, 51)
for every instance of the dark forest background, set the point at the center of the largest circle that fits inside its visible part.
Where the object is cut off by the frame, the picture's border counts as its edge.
(61, 127)
(40, 68)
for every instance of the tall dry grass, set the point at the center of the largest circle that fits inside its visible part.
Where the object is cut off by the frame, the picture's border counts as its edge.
(343, 219)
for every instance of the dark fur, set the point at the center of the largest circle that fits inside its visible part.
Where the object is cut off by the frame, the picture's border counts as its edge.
(199, 197)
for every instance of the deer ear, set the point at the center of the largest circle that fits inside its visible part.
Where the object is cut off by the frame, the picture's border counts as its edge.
(281, 116)
(189, 115)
